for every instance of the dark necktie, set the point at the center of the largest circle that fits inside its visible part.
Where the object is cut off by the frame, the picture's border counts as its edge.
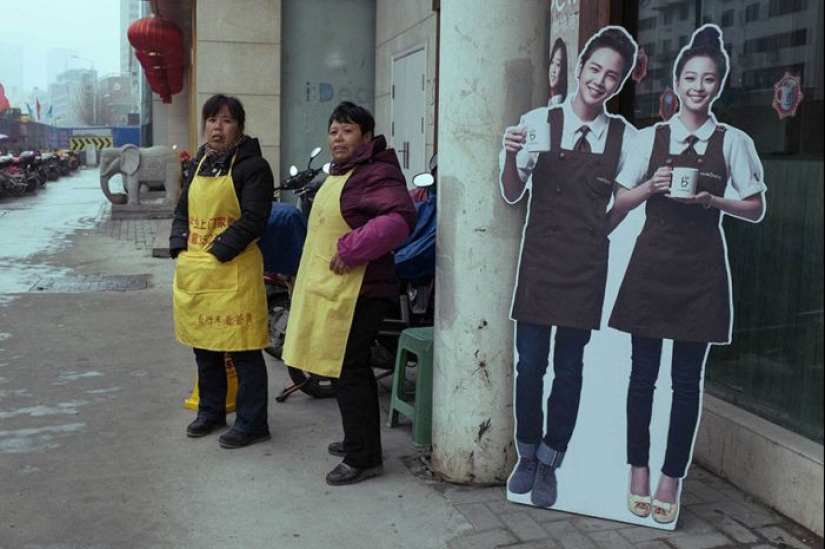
(582, 144)
(689, 150)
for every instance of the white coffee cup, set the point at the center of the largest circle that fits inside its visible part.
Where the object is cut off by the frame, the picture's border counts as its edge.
(683, 182)
(538, 131)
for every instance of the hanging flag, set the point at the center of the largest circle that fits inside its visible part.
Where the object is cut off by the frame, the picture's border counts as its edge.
(31, 112)
(50, 112)
(38, 107)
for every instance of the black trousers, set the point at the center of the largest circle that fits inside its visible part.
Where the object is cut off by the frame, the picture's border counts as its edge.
(357, 391)
(252, 397)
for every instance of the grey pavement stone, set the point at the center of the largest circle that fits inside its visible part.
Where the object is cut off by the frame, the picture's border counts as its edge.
(704, 491)
(468, 494)
(780, 536)
(640, 534)
(701, 541)
(733, 529)
(590, 524)
(691, 524)
(610, 539)
(523, 526)
(480, 516)
(567, 537)
(491, 539)
(654, 545)
(539, 544)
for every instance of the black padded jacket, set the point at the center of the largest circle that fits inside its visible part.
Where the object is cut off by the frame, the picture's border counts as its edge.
(254, 186)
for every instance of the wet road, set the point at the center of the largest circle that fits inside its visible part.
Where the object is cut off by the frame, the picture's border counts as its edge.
(37, 225)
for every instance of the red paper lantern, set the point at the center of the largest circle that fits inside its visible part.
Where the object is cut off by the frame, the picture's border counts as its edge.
(159, 47)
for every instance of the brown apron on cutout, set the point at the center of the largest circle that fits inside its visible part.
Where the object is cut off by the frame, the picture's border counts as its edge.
(563, 268)
(677, 285)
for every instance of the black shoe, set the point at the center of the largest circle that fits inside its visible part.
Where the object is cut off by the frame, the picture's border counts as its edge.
(336, 448)
(237, 439)
(202, 427)
(346, 474)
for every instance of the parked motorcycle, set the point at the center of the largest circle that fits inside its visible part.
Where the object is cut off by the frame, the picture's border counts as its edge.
(12, 177)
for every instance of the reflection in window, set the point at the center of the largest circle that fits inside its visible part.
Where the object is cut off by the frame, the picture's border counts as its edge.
(752, 13)
(782, 7)
(774, 364)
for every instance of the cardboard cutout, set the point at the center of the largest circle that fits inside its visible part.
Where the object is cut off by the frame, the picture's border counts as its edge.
(662, 285)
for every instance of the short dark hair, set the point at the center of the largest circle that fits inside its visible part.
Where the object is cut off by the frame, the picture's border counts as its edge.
(349, 113)
(706, 42)
(618, 40)
(218, 101)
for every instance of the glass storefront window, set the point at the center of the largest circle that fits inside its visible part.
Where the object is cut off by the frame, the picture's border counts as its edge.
(774, 365)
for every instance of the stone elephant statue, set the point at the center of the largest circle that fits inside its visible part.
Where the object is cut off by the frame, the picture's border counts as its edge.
(156, 167)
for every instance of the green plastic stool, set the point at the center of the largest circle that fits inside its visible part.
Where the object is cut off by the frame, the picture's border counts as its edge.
(416, 405)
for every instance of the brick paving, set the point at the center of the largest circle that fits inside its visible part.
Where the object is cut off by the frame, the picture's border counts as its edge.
(141, 232)
(715, 515)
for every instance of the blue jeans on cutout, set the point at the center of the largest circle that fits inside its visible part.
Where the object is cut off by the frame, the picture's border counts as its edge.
(686, 375)
(533, 346)
(252, 398)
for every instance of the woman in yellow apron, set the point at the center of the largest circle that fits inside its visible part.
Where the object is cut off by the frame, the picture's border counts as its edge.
(346, 280)
(219, 296)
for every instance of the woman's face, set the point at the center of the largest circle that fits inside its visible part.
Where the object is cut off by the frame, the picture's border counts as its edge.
(343, 138)
(698, 85)
(221, 129)
(555, 70)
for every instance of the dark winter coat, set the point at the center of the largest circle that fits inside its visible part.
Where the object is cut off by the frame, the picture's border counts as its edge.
(254, 186)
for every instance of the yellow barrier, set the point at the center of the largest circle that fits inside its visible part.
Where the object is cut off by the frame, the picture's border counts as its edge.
(192, 402)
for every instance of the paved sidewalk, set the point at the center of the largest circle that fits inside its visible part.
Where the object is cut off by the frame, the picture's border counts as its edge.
(93, 453)
(715, 515)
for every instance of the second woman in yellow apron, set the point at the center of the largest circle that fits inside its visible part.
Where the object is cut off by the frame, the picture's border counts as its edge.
(219, 296)
(347, 279)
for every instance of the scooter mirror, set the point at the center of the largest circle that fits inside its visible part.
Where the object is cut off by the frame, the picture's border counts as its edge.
(423, 180)
(293, 170)
(315, 152)
(326, 168)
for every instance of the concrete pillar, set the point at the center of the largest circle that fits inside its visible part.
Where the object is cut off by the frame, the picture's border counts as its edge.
(492, 69)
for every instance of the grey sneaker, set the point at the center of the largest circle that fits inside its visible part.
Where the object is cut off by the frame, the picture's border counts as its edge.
(544, 488)
(521, 481)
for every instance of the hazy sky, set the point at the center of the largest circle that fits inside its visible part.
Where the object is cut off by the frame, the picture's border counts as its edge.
(92, 27)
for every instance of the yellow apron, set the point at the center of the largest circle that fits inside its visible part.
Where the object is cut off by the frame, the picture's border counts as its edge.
(323, 303)
(218, 306)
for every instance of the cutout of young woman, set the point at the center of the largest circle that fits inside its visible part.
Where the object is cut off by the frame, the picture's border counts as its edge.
(557, 73)
(677, 284)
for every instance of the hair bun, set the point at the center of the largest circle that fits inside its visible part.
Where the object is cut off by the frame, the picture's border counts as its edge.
(707, 36)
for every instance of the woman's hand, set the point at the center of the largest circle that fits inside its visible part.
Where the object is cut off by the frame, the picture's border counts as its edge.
(704, 199)
(514, 139)
(337, 266)
(660, 182)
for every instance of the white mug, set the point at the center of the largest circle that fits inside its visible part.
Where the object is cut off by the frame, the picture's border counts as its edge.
(538, 138)
(683, 182)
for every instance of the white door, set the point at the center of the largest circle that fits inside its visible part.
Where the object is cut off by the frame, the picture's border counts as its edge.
(408, 111)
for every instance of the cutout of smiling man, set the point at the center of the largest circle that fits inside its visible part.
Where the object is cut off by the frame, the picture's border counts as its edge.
(562, 269)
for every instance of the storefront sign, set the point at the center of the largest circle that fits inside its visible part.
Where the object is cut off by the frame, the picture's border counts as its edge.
(787, 95)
